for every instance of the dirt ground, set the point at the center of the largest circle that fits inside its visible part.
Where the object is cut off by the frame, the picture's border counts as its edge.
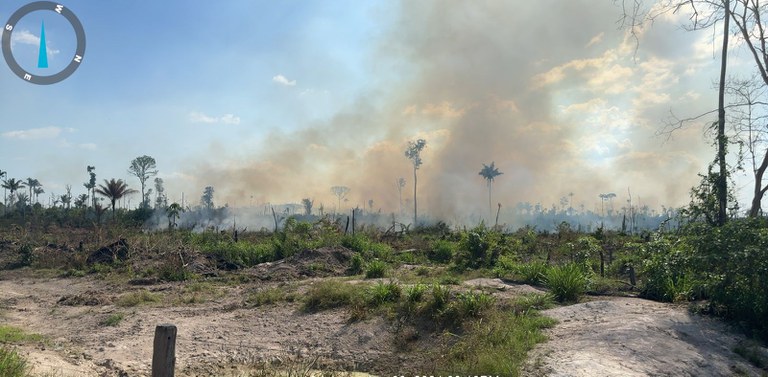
(635, 337)
(220, 336)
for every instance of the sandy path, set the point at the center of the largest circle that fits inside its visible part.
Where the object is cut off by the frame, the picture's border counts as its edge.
(635, 337)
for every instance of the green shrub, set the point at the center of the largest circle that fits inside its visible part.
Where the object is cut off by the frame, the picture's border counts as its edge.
(243, 253)
(533, 273)
(533, 301)
(375, 269)
(439, 299)
(329, 294)
(357, 242)
(356, 264)
(567, 283)
(473, 304)
(415, 293)
(479, 247)
(441, 251)
(11, 363)
(381, 293)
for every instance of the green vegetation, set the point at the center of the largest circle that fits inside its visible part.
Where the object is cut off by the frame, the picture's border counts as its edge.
(498, 345)
(270, 296)
(11, 363)
(375, 269)
(10, 334)
(330, 294)
(113, 319)
(567, 283)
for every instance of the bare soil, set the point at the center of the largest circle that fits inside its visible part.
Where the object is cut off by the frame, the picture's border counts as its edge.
(634, 337)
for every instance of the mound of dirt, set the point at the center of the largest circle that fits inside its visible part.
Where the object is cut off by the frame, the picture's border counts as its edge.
(326, 261)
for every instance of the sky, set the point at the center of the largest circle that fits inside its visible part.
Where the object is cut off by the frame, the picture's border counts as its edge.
(272, 102)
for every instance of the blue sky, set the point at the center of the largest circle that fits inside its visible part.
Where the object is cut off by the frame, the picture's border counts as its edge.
(281, 100)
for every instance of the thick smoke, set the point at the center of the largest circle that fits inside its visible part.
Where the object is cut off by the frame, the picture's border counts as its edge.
(549, 90)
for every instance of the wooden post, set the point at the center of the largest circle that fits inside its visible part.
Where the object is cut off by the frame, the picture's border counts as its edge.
(164, 351)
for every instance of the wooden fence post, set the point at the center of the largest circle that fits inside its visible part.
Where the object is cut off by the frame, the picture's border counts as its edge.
(164, 351)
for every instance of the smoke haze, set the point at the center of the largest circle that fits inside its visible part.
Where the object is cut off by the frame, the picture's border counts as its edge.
(550, 91)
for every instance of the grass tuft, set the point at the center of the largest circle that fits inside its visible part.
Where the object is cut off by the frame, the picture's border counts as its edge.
(113, 320)
(12, 364)
(137, 298)
(567, 283)
(330, 294)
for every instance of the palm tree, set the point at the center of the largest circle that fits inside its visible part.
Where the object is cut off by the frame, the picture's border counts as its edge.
(489, 172)
(37, 191)
(12, 185)
(114, 190)
(32, 184)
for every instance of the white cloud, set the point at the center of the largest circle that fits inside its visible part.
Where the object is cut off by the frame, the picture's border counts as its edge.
(198, 117)
(35, 133)
(27, 38)
(596, 39)
(229, 119)
(282, 80)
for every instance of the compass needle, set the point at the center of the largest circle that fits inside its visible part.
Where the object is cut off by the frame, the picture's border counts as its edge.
(42, 56)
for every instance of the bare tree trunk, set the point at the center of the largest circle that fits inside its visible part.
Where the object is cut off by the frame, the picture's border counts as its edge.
(722, 179)
(490, 207)
(754, 211)
(415, 211)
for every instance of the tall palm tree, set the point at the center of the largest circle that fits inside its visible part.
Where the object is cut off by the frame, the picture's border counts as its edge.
(12, 185)
(490, 172)
(32, 184)
(114, 190)
(37, 191)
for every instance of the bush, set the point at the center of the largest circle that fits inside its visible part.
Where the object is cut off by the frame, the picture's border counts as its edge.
(567, 283)
(356, 264)
(11, 363)
(473, 304)
(479, 247)
(328, 295)
(375, 269)
(441, 251)
(414, 293)
(382, 293)
(532, 273)
(439, 301)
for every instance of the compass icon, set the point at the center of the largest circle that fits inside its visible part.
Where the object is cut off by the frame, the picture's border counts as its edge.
(57, 10)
